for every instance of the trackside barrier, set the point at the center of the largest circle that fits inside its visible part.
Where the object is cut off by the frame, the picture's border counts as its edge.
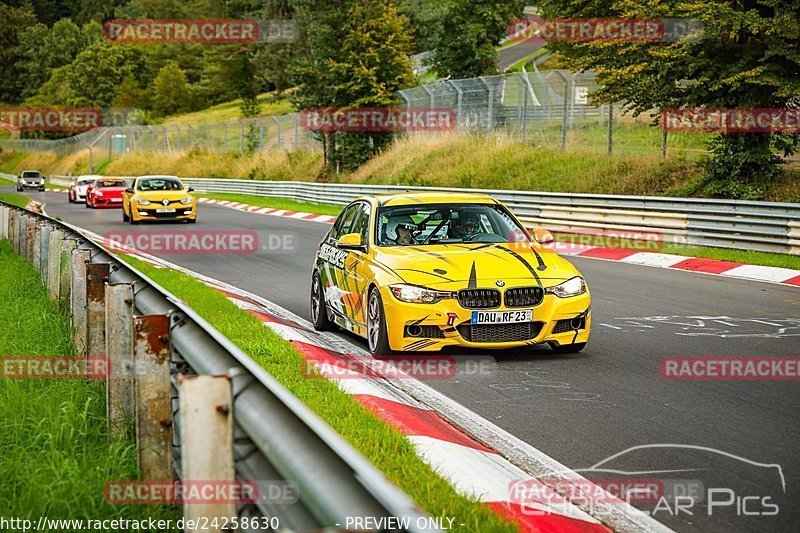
(762, 226)
(203, 410)
(746, 225)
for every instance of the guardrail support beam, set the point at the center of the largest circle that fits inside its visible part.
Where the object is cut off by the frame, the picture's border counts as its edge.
(96, 278)
(120, 399)
(80, 257)
(206, 424)
(65, 271)
(152, 391)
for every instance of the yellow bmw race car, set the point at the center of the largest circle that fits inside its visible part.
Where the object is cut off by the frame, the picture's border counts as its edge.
(158, 198)
(423, 271)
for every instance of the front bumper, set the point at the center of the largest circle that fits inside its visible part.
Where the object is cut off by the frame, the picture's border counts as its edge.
(438, 328)
(38, 187)
(150, 213)
(106, 202)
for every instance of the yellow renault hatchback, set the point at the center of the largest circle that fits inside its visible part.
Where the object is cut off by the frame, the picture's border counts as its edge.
(158, 198)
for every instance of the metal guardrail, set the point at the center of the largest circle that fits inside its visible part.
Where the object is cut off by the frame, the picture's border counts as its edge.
(748, 225)
(276, 438)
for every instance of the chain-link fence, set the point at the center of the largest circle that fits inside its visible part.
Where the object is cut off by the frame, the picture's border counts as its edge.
(282, 132)
(549, 108)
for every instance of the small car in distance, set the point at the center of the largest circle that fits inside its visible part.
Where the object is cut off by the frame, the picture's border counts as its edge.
(77, 189)
(425, 271)
(105, 192)
(158, 198)
(30, 179)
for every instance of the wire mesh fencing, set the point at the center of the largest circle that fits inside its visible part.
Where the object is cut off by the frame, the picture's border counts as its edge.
(551, 109)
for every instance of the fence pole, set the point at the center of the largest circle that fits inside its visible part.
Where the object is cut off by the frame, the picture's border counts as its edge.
(120, 399)
(459, 104)
(80, 257)
(96, 278)
(610, 126)
(296, 132)
(525, 115)
(663, 143)
(241, 145)
(564, 111)
(278, 124)
(490, 110)
(54, 263)
(206, 426)
(152, 392)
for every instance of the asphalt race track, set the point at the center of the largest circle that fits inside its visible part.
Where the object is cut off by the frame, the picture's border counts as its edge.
(585, 408)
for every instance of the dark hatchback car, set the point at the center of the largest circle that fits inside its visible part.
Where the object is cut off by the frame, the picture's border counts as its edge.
(30, 179)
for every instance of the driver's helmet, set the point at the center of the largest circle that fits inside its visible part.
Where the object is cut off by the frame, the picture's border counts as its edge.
(397, 221)
(469, 224)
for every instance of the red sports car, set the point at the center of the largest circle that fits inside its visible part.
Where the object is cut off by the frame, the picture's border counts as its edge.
(105, 192)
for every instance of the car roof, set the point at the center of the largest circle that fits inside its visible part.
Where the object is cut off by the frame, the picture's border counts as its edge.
(158, 176)
(24, 171)
(431, 197)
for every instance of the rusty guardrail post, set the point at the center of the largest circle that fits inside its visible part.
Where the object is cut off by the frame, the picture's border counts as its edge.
(54, 263)
(36, 250)
(80, 257)
(3, 222)
(152, 390)
(96, 278)
(206, 426)
(13, 232)
(65, 271)
(44, 251)
(120, 399)
(22, 239)
(30, 238)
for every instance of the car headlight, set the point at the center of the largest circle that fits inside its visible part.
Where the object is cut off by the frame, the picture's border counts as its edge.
(142, 201)
(99, 193)
(186, 201)
(571, 287)
(417, 295)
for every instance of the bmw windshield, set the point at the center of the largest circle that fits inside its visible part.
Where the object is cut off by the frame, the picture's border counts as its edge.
(410, 225)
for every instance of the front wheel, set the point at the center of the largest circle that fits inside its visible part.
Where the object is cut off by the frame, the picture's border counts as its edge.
(568, 348)
(319, 310)
(377, 336)
(124, 216)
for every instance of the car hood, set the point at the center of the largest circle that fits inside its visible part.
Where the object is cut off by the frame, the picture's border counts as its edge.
(456, 266)
(157, 196)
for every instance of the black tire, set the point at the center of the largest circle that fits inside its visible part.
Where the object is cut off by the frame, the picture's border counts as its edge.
(192, 221)
(377, 336)
(86, 203)
(131, 220)
(319, 311)
(569, 348)
(124, 216)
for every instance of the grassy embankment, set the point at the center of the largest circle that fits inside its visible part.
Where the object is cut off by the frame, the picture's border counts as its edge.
(384, 446)
(56, 452)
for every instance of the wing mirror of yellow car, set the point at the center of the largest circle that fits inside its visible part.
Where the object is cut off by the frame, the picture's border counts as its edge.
(542, 236)
(350, 241)
(129, 190)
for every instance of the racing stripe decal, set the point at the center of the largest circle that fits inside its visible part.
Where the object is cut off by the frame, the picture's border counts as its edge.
(473, 278)
(524, 262)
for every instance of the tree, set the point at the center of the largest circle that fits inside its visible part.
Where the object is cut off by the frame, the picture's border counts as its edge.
(171, 92)
(96, 73)
(13, 23)
(747, 56)
(472, 29)
(359, 57)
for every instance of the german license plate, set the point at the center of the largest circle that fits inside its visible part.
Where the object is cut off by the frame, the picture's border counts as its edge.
(502, 317)
(165, 210)
(116, 200)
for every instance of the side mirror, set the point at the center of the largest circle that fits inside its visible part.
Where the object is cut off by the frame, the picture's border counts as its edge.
(350, 241)
(190, 189)
(542, 236)
(129, 190)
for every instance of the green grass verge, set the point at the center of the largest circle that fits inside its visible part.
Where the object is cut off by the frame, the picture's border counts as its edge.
(232, 110)
(6, 182)
(14, 199)
(381, 444)
(276, 203)
(57, 454)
